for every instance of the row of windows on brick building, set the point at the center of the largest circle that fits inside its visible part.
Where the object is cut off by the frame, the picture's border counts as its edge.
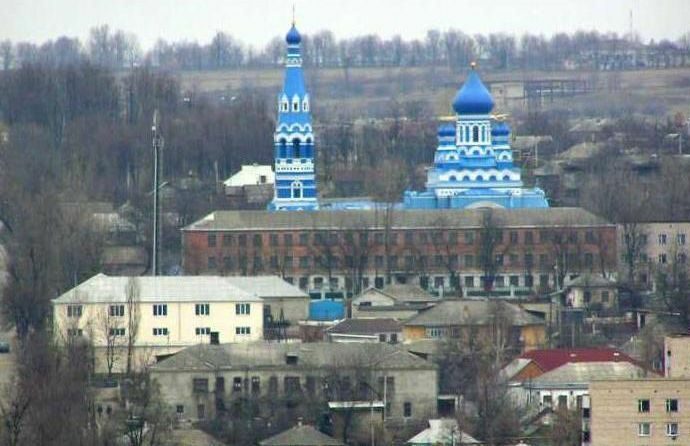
(409, 237)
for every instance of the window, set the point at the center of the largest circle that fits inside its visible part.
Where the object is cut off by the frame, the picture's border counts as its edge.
(116, 310)
(475, 133)
(310, 385)
(469, 238)
(273, 385)
(529, 238)
(304, 239)
(589, 237)
(304, 262)
(529, 281)
(237, 384)
(160, 310)
(211, 240)
(242, 240)
(409, 238)
(662, 258)
(604, 297)
(514, 280)
(671, 405)
(257, 240)
(203, 331)
(469, 261)
(179, 409)
(160, 332)
(72, 332)
(529, 260)
(287, 239)
(212, 264)
(242, 308)
(513, 237)
(671, 429)
(117, 332)
(292, 385)
(201, 411)
(589, 259)
(228, 240)
(546, 401)
(243, 331)
(273, 239)
(287, 262)
(74, 310)
(407, 407)
(680, 238)
(543, 280)
(469, 281)
(662, 239)
(227, 263)
(256, 385)
(200, 385)
(643, 406)
(202, 309)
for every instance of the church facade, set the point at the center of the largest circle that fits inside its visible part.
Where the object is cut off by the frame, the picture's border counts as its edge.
(473, 163)
(295, 180)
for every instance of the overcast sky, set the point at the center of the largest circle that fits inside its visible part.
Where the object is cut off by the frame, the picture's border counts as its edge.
(255, 22)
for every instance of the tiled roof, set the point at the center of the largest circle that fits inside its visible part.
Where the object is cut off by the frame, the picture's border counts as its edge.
(102, 289)
(271, 355)
(301, 435)
(366, 326)
(427, 218)
(550, 359)
(451, 313)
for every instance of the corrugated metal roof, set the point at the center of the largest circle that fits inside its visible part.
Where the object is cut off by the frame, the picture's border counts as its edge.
(309, 355)
(366, 326)
(583, 373)
(375, 218)
(550, 359)
(102, 288)
(450, 313)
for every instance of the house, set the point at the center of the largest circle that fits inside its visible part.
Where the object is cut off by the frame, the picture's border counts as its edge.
(366, 330)
(443, 432)
(534, 363)
(251, 187)
(591, 291)
(399, 301)
(301, 435)
(463, 318)
(353, 380)
(652, 411)
(170, 312)
(565, 386)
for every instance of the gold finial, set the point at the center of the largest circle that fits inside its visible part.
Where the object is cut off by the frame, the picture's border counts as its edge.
(293, 14)
(473, 65)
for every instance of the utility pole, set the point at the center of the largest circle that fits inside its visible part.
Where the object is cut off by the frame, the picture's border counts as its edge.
(157, 167)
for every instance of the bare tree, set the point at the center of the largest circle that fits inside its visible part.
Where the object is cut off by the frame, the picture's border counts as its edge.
(14, 406)
(132, 292)
(109, 325)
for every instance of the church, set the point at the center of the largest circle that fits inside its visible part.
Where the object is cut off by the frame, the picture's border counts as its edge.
(473, 164)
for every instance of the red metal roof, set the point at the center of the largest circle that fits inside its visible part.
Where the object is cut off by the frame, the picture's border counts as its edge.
(550, 359)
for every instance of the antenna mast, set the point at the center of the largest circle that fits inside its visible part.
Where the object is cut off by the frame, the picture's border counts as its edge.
(157, 152)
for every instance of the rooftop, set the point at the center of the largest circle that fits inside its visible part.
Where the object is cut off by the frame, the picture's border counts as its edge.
(301, 435)
(103, 289)
(366, 326)
(408, 218)
(471, 312)
(585, 372)
(309, 356)
(550, 359)
(444, 432)
(591, 280)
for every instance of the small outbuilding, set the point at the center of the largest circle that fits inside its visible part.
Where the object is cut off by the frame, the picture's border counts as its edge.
(301, 435)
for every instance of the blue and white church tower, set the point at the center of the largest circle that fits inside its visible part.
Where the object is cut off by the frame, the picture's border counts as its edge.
(295, 181)
(473, 163)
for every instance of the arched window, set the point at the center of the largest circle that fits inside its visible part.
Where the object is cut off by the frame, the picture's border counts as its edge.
(476, 152)
(480, 178)
(467, 134)
(305, 105)
(296, 148)
(452, 178)
(283, 148)
(506, 177)
(296, 189)
(284, 106)
(492, 178)
(475, 133)
(466, 178)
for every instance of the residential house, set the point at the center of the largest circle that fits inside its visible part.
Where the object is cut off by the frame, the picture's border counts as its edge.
(301, 435)
(355, 380)
(443, 432)
(593, 292)
(465, 318)
(366, 330)
(399, 301)
(251, 187)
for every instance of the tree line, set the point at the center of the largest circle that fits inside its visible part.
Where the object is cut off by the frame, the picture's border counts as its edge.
(452, 48)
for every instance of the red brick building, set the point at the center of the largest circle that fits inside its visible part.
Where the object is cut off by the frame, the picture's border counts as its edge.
(519, 250)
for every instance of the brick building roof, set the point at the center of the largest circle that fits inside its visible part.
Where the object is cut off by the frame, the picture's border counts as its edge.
(401, 219)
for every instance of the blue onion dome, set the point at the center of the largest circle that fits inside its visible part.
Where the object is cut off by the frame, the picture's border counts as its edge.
(293, 36)
(473, 98)
(500, 128)
(446, 130)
